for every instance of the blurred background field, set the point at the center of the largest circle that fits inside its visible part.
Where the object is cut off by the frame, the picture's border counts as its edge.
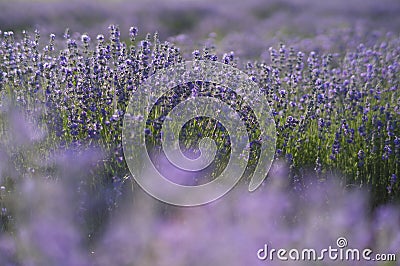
(246, 27)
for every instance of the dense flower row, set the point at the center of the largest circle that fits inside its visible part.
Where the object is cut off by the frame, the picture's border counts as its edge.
(335, 113)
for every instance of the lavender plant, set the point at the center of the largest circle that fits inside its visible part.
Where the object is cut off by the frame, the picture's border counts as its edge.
(336, 113)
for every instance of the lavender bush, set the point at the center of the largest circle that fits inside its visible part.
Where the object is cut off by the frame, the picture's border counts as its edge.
(67, 197)
(335, 113)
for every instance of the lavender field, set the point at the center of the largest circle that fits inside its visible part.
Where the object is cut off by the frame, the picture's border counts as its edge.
(330, 74)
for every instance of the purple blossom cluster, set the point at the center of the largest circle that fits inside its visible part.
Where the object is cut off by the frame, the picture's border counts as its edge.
(335, 113)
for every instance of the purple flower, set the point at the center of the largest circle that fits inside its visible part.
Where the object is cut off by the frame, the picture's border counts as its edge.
(133, 31)
(85, 38)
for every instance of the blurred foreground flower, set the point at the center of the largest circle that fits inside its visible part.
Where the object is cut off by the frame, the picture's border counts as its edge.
(226, 232)
(232, 230)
